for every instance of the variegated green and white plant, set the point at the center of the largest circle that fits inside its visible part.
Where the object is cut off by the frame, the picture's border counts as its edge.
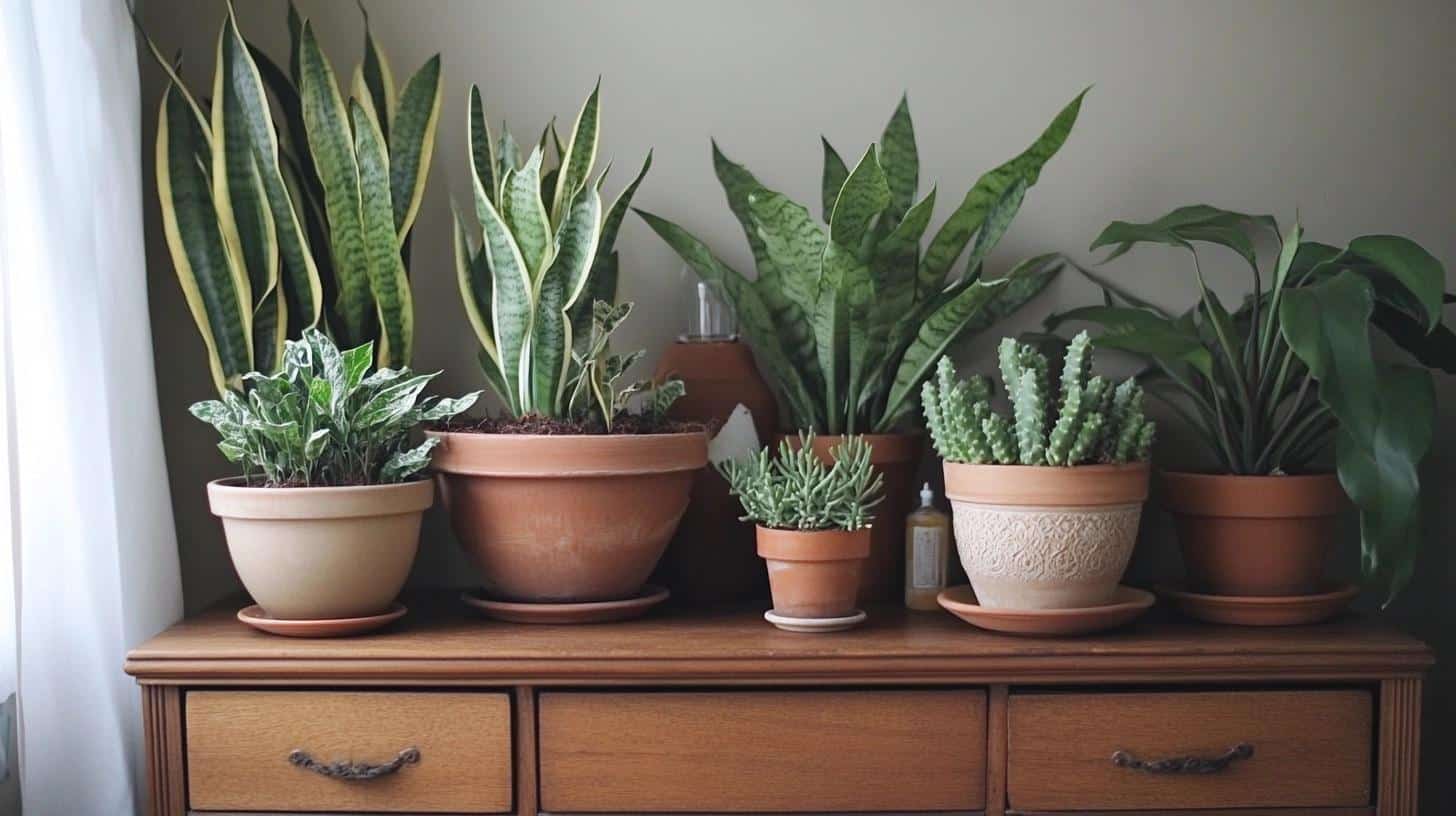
(276, 230)
(326, 420)
(541, 286)
(850, 319)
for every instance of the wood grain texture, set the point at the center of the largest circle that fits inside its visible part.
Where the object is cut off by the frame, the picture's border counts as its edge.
(792, 751)
(1352, 811)
(1311, 749)
(1399, 747)
(162, 727)
(526, 744)
(997, 698)
(445, 645)
(238, 743)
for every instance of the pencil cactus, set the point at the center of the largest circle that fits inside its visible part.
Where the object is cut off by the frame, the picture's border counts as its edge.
(1087, 421)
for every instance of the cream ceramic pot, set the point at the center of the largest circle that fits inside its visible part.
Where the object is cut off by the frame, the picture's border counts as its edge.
(314, 553)
(1045, 537)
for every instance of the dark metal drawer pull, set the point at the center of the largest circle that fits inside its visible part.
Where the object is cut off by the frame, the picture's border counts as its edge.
(1184, 765)
(354, 771)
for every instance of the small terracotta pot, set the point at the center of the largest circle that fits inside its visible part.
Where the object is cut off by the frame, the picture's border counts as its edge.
(312, 553)
(1045, 537)
(565, 519)
(814, 573)
(897, 457)
(1254, 535)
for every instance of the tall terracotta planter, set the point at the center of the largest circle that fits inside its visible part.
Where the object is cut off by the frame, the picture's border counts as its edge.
(314, 553)
(1045, 537)
(566, 518)
(711, 558)
(814, 573)
(1254, 535)
(897, 457)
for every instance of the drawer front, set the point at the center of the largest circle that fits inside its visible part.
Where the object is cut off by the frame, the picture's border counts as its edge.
(239, 745)
(1308, 749)
(790, 751)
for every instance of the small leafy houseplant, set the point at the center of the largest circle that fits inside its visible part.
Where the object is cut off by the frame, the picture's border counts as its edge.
(274, 230)
(539, 291)
(1046, 500)
(813, 521)
(324, 522)
(1277, 383)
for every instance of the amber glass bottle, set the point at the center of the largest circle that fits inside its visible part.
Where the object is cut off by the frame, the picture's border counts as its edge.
(927, 552)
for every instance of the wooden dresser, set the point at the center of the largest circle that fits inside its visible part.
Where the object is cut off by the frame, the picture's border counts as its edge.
(718, 712)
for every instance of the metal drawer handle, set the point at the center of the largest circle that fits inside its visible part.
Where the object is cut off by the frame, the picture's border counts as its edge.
(1184, 765)
(354, 771)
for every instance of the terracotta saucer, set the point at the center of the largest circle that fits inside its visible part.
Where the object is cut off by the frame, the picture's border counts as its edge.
(1248, 610)
(255, 617)
(594, 612)
(815, 625)
(1127, 604)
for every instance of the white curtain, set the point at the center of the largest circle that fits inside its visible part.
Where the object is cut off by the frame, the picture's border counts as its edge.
(94, 556)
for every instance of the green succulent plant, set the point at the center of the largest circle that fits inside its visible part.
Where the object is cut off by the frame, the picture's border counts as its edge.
(850, 319)
(325, 420)
(1291, 373)
(275, 231)
(796, 490)
(539, 289)
(1084, 421)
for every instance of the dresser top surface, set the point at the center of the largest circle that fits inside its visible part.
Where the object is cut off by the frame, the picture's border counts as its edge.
(444, 639)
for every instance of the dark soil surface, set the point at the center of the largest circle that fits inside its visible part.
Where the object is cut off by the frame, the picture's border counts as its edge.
(549, 426)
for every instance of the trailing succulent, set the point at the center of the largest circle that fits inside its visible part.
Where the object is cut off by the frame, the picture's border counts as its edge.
(850, 318)
(325, 420)
(1083, 420)
(540, 289)
(796, 490)
(275, 231)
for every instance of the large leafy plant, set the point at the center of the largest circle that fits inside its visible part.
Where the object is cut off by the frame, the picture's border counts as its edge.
(796, 490)
(1290, 372)
(540, 288)
(272, 230)
(325, 420)
(851, 318)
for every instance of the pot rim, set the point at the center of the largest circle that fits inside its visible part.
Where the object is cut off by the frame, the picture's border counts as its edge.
(1236, 496)
(567, 456)
(228, 498)
(1097, 485)
(777, 544)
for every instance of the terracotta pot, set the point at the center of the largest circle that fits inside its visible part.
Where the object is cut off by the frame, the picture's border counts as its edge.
(897, 456)
(1254, 535)
(814, 573)
(311, 553)
(711, 557)
(566, 518)
(1045, 537)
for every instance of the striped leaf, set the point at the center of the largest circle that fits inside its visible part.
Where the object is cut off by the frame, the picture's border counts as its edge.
(793, 242)
(613, 221)
(834, 175)
(998, 220)
(510, 296)
(482, 146)
(270, 327)
(560, 285)
(237, 188)
(577, 244)
(866, 194)
(378, 78)
(473, 276)
(295, 43)
(900, 160)
(412, 143)
(387, 280)
(601, 285)
(525, 215)
(581, 155)
(738, 184)
(508, 155)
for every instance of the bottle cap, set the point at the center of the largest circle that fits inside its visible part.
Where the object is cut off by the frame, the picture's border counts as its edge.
(926, 495)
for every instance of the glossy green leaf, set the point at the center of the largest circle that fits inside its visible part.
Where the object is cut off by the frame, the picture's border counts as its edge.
(559, 288)
(378, 79)
(835, 172)
(581, 154)
(1140, 331)
(412, 143)
(792, 241)
(865, 195)
(1411, 266)
(525, 215)
(511, 286)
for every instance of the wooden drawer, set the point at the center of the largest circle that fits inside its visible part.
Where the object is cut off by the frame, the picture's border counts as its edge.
(754, 751)
(1309, 749)
(239, 745)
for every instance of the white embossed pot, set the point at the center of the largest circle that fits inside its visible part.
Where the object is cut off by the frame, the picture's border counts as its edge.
(1045, 537)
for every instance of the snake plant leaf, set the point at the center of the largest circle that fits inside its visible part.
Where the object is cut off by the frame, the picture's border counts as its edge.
(900, 160)
(525, 215)
(998, 220)
(558, 289)
(482, 145)
(835, 172)
(295, 42)
(331, 144)
(475, 286)
(578, 243)
(412, 143)
(1411, 266)
(601, 284)
(738, 184)
(866, 194)
(950, 240)
(270, 330)
(387, 279)
(612, 223)
(378, 78)
(212, 282)
(508, 155)
(831, 320)
(581, 155)
(793, 242)
(511, 295)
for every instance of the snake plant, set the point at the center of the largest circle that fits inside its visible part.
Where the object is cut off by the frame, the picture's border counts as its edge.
(851, 318)
(540, 288)
(275, 230)
(1274, 385)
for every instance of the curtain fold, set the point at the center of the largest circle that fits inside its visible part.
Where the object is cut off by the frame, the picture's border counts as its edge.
(93, 542)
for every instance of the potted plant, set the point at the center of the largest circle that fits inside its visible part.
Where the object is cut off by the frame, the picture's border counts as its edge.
(273, 231)
(849, 318)
(1046, 503)
(1273, 386)
(568, 498)
(324, 522)
(813, 524)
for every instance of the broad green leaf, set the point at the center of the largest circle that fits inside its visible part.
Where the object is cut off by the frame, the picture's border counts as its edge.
(1415, 269)
(1327, 324)
(525, 215)
(511, 296)
(864, 196)
(391, 403)
(1140, 331)
(1185, 225)
(473, 277)
(835, 172)
(581, 154)
(793, 242)
(387, 279)
(378, 79)
(412, 143)
(1434, 349)
(900, 161)
(482, 146)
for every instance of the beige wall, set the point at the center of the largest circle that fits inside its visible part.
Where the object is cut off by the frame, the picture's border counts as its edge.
(1343, 110)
